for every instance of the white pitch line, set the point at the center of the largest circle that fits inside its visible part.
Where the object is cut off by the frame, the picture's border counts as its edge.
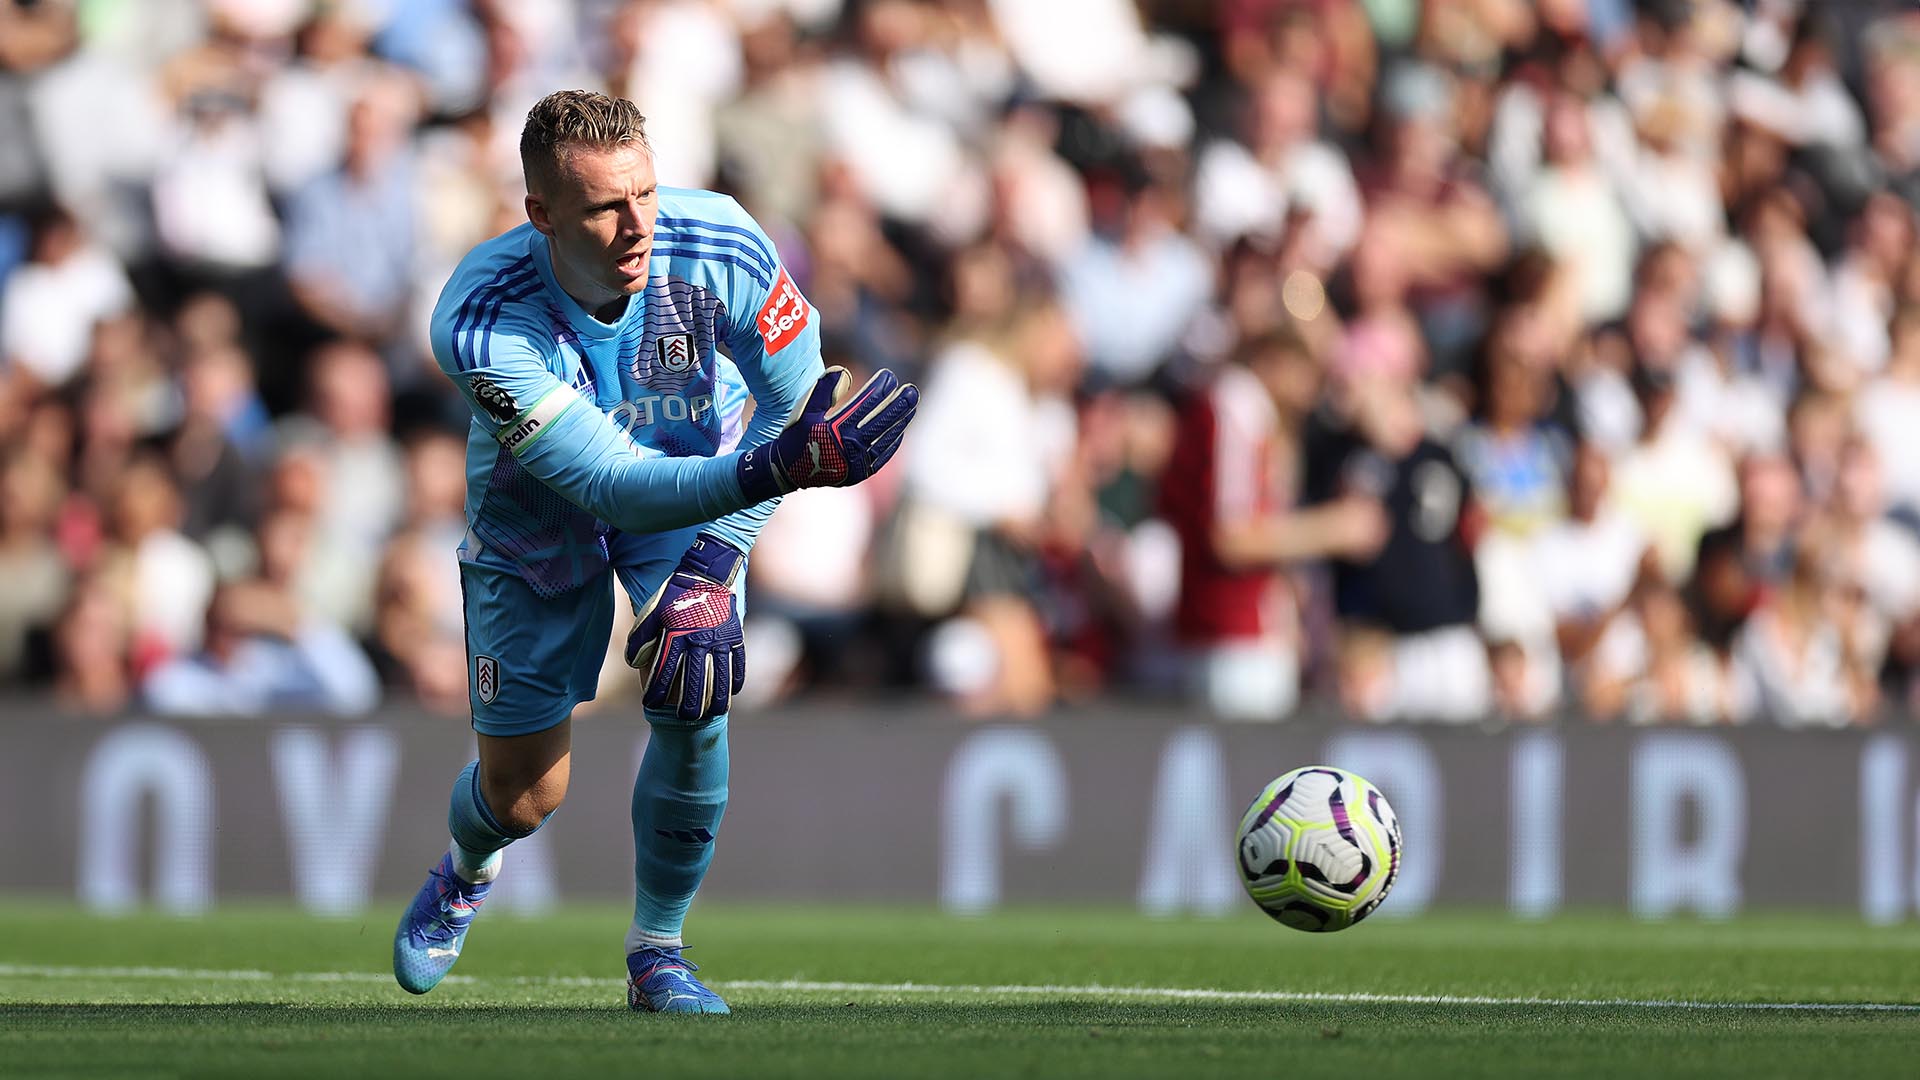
(1175, 993)
(804, 986)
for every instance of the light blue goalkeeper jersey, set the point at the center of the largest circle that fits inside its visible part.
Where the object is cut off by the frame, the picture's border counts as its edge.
(581, 427)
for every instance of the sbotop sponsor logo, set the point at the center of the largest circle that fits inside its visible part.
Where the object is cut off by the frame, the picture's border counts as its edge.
(645, 411)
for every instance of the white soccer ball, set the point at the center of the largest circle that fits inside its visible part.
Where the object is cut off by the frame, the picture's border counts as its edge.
(1319, 849)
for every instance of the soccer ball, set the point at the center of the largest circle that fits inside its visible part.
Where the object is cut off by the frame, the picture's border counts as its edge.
(1319, 849)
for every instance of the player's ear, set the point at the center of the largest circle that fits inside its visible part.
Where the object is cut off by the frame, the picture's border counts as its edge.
(537, 214)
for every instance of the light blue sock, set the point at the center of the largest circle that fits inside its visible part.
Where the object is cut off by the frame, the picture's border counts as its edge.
(678, 799)
(478, 836)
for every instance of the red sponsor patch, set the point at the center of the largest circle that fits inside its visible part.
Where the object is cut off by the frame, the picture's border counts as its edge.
(783, 315)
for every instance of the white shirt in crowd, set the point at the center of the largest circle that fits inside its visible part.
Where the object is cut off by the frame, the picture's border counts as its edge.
(1888, 412)
(47, 313)
(1821, 112)
(1742, 412)
(984, 448)
(1792, 688)
(1586, 569)
(815, 549)
(210, 202)
(1676, 487)
(171, 584)
(1235, 194)
(1576, 216)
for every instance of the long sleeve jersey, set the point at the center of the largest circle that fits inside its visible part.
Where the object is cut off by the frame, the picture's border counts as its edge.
(581, 427)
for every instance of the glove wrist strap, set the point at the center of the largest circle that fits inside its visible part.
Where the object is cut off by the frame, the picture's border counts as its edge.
(714, 559)
(760, 478)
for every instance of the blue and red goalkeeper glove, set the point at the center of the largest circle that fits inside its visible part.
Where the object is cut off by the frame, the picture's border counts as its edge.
(834, 439)
(688, 640)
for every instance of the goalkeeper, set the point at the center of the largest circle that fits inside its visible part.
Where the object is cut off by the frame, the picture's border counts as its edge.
(603, 445)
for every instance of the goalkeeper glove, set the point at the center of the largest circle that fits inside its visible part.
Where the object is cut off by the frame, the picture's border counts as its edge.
(834, 439)
(688, 639)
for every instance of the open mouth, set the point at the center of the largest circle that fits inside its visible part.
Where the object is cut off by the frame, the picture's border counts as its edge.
(632, 265)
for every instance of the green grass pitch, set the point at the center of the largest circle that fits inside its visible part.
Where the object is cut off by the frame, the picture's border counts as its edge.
(903, 993)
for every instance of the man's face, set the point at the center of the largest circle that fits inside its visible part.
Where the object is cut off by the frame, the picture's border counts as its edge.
(599, 215)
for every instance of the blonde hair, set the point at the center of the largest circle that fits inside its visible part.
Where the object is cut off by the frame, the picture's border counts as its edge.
(566, 119)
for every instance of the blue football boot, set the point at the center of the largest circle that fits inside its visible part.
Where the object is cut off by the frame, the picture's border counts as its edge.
(661, 980)
(434, 927)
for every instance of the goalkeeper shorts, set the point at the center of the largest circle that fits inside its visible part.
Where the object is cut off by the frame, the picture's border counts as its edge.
(531, 658)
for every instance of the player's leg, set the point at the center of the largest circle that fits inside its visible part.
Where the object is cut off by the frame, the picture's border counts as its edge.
(506, 794)
(679, 798)
(530, 665)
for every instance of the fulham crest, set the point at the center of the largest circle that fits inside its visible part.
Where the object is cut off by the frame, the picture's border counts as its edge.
(675, 353)
(486, 679)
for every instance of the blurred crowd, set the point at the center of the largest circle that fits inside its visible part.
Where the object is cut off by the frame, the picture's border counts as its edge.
(1439, 361)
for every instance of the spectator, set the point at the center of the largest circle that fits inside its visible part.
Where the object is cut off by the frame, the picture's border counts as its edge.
(1424, 196)
(216, 449)
(1588, 566)
(261, 656)
(351, 232)
(304, 105)
(1673, 483)
(859, 280)
(1237, 531)
(1881, 240)
(909, 161)
(212, 212)
(1887, 411)
(771, 137)
(1799, 657)
(1721, 384)
(810, 594)
(49, 306)
(31, 491)
(1803, 103)
(683, 59)
(1573, 212)
(1515, 457)
(1409, 650)
(163, 578)
(1134, 290)
(1873, 555)
(91, 644)
(418, 634)
(1651, 668)
(360, 473)
(1281, 173)
(1893, 96)
(993, 437)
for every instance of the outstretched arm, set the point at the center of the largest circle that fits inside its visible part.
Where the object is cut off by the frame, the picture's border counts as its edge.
(567, 443)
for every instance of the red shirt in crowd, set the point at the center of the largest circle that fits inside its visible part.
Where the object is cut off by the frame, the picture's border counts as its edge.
(1224, 469)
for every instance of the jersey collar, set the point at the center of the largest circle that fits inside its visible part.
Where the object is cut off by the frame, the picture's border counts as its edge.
(582, 322)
